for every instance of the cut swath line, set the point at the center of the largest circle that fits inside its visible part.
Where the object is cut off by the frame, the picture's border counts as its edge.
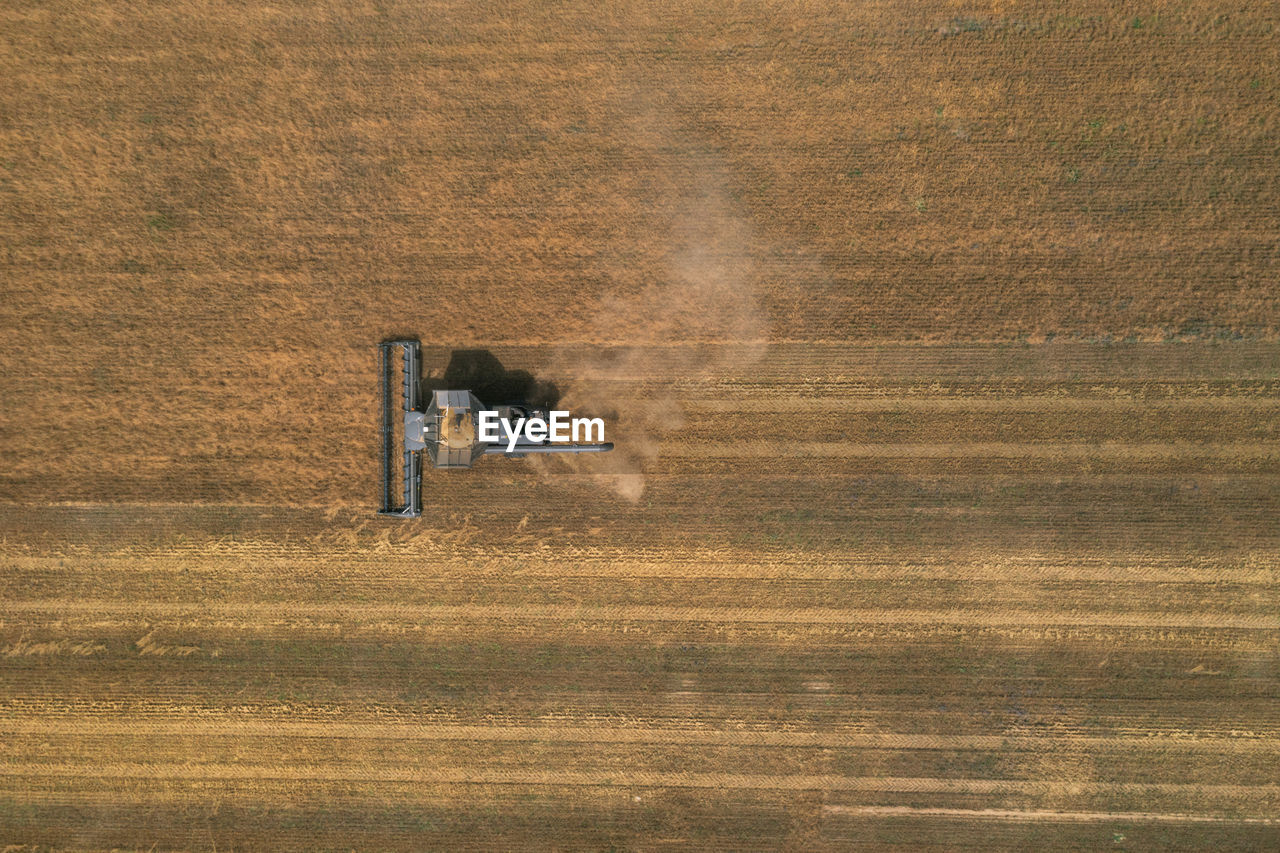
(701, 565)
(142, 727)
(267, 613)
(976, 450)
(1037, 816)
(1027, 404)
(365, 772)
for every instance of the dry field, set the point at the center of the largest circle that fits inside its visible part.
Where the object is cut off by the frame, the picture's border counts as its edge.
(941, 345)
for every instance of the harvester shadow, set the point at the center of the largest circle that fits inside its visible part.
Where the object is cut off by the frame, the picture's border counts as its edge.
(480, 372)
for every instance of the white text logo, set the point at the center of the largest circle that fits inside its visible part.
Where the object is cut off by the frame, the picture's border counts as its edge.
(559, 429)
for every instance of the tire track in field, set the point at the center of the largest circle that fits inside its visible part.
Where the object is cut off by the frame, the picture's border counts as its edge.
(274, 559)
(275, 612)
(1136, 452)
(1023, 404)
(193, 726)
(364, 772)
(1032, 815)
(1061, 362)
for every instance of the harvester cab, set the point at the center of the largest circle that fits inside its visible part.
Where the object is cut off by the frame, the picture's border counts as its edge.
(446, 427)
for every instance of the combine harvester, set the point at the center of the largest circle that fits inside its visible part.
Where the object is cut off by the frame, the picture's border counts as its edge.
(449, 430)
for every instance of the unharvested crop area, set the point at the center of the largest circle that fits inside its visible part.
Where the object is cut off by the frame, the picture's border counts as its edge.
(940, 349)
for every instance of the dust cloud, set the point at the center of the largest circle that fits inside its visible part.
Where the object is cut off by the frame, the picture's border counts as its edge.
(708, 296)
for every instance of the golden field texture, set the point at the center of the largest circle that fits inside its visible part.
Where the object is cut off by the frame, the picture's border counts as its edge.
(939, 344)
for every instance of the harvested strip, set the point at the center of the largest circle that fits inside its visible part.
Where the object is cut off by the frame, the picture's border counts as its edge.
(97, 727)
(572, 778)
(1039, 815)
(273, 612)
(1034, 404)
(994, 450)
